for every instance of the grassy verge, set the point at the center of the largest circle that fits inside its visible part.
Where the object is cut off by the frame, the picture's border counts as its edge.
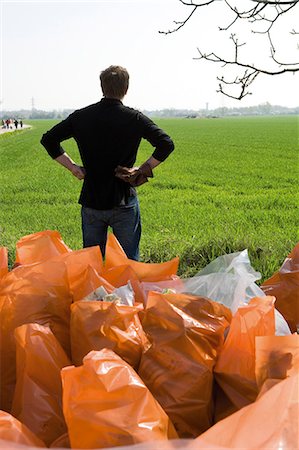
(230, 184)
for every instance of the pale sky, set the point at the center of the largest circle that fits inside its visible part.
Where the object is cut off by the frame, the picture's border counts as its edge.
(53, 51)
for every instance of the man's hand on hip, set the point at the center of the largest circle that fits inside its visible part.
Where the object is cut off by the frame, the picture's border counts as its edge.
(135, 176)
(78, 171)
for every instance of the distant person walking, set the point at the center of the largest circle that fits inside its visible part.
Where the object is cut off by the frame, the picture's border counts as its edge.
(108, 135)
(16, 123)
(21, 123)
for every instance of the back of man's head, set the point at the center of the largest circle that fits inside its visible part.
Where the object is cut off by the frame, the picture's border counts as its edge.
(114, 82)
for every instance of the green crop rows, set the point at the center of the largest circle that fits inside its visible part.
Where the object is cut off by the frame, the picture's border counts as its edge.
(231, 184)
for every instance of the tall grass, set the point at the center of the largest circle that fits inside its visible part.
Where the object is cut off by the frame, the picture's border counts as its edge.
(230, 184)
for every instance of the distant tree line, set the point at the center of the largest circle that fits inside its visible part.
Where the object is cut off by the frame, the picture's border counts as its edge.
(259, 110)
(36, 114)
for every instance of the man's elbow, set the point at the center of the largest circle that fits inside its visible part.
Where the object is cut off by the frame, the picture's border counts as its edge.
(53, 148)
(168, 147)
(45, 140)
(171, 146)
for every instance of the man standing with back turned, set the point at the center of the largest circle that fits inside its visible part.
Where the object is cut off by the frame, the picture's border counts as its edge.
(108, 135)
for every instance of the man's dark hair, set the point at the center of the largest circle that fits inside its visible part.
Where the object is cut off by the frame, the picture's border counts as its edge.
(114, 81)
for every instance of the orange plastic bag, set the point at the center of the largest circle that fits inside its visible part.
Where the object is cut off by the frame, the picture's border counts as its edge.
(186, 333)
(40, 247)
(88, 281)
(284, 285)
(12, 431)
(269, 423)
(106, 404)
(38, 395)
(277, 357)
(78, 261)
(115, 256)
(61, 442)
(235, 368)
(3, 262)
(36, 293)
(121, 275)
(80, 264)
(96, 325)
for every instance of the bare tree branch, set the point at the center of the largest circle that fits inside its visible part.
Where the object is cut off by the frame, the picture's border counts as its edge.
(264, 12)
(183, 22)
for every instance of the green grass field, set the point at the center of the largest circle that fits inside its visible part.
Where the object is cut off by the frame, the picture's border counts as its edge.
(230, 184)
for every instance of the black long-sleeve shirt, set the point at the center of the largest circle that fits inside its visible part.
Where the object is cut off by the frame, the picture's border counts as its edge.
(108, 134)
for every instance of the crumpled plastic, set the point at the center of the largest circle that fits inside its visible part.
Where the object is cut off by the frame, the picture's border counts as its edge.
(31, 293)
(225, 280)
(124, 295)
(115, 256)
(12, 431)
(269, 423)
(284, 285)
(97, 325)
(79, 272)
(235, 367)
(38, 395)
(105, 403)
(186, 333)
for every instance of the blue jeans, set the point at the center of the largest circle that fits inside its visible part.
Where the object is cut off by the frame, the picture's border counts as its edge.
(124, 221)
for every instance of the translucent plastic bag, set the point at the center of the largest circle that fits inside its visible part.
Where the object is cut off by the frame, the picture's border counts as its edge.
(106, 404)
(38, 395)
(14, 432)
(226, 279)
(3, 262)
(97, 325)
(115, 256)
(284, 285)
(124, 295)
(235, 367)
(39, 247)
(36, 293)
(186, 335)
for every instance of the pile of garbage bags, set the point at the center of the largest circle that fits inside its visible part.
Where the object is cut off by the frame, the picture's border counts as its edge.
(118, 353)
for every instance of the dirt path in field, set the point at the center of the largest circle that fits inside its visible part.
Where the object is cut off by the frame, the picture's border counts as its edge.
(5, 130)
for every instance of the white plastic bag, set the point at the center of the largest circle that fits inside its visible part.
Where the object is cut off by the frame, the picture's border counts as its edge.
(229, 279)
(225, 280)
